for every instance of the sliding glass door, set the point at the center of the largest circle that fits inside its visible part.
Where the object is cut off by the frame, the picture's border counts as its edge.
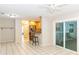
(71, 35)
(66, 34)
(59, 34)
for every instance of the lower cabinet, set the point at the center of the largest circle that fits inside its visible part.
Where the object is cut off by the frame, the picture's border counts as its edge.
(7, 35)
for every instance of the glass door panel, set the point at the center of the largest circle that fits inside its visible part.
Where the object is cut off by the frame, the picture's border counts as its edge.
(59, 34)
(71, 35)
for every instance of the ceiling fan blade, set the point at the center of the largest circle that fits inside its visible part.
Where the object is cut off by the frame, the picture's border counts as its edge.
(51, 8)
(62, 5)
(44, 6)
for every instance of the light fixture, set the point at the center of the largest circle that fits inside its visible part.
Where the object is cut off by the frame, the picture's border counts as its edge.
(13, 16)
(9, 15)
(32, 23)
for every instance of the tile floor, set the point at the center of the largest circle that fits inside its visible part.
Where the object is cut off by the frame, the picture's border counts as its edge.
(17, 49)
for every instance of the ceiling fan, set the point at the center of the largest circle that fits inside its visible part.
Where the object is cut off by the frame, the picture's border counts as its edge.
(52, 8)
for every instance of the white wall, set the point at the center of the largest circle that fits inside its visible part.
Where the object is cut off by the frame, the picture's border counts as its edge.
(46, 31)
(18, 31)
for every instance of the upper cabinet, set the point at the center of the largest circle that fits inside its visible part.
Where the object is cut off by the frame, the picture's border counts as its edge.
(6, 22)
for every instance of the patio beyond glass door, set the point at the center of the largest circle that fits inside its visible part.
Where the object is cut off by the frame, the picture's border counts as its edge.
(59, 34)
(71, 35)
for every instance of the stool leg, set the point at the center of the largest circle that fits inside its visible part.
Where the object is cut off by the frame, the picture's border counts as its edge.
(38, 42)
(35, 42)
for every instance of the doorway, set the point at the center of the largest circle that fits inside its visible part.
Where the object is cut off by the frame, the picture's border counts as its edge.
(25, 30)
(30, 24)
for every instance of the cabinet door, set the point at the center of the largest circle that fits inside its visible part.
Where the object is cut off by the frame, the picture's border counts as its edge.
(7, 35)
(0, 34)
(6, 22)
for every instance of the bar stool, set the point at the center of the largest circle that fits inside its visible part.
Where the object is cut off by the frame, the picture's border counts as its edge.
(35, 40)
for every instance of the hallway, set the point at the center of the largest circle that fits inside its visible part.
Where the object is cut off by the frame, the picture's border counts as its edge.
(16, 49)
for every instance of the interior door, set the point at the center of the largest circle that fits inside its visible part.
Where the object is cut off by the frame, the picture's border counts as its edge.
(59, 34)
(71, 35)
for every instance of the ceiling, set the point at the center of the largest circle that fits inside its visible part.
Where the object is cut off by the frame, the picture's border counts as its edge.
(23, 10)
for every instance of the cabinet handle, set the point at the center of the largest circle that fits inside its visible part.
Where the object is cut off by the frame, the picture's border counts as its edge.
(1, 28)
